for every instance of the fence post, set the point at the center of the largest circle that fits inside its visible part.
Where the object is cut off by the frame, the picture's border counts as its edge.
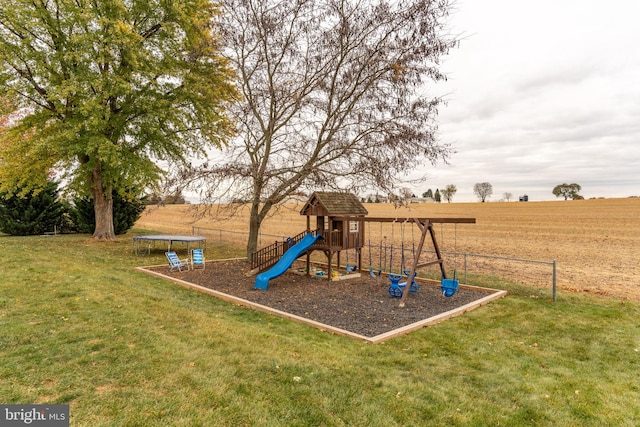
(554, 280)
(465, 269)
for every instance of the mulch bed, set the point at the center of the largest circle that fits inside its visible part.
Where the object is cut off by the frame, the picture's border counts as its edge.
(360, 305)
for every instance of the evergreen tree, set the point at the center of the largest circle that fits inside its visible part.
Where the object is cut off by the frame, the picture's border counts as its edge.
(82, 214)
(126, 211)
(437, 196)
(35, 212)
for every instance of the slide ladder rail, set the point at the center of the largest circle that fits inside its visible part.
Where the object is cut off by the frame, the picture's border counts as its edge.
(271, 254)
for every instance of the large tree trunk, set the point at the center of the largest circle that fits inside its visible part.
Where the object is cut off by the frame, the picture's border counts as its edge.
(103, 203)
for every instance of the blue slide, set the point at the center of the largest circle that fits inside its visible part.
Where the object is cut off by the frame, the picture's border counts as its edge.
(262, 281)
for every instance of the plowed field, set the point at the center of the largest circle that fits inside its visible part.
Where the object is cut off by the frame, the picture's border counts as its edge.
(596, 243)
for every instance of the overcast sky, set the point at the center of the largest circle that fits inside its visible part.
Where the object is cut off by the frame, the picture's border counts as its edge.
(542, 93)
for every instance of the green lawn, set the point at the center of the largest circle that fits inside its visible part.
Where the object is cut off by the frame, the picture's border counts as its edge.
(80, 325)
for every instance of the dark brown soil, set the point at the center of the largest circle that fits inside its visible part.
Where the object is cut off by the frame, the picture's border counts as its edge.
(361, 305)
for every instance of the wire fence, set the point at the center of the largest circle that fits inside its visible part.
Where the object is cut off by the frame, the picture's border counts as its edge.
(235, 237)
(538, 277)
(538, 274)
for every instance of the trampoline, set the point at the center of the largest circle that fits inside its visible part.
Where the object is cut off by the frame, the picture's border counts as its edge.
(143, 243)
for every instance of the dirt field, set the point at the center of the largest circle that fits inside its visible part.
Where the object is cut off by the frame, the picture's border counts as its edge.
(595, 242)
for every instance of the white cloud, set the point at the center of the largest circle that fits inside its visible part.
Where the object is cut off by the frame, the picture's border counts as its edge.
(542, 93)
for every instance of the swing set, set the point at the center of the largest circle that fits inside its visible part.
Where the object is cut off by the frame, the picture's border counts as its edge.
(396, 288)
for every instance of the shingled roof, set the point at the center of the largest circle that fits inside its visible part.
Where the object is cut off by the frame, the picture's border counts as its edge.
(323, 203)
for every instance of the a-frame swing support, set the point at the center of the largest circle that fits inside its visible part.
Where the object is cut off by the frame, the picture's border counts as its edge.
(426, 226)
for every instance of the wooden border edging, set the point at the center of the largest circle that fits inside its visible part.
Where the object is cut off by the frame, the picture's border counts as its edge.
(495, 294)
(438, 317)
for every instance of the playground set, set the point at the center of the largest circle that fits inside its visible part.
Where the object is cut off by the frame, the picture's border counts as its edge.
(340, 226)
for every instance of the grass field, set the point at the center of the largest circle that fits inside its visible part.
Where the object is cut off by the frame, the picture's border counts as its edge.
(595, 242)
(80, 325)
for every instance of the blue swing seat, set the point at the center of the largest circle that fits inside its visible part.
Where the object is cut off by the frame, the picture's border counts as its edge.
(449, 287)
(395, 290)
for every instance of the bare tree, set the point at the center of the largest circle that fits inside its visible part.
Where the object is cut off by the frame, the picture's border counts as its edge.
(483, 190)
(507, 196)
(333, 97)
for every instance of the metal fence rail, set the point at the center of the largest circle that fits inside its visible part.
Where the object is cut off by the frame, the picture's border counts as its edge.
(527, 272)
(519, 270)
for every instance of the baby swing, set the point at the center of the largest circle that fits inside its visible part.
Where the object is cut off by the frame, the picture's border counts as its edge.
(394, 289)
(450, 286)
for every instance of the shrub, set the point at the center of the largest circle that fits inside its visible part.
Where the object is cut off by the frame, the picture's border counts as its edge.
(36, 212)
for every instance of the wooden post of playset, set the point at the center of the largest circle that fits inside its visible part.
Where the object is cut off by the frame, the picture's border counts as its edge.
(423, 228)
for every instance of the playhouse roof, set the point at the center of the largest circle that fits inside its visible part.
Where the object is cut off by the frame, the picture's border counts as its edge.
(322, 203)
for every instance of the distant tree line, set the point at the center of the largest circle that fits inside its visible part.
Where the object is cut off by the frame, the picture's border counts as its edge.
(429, 194)
(482, 190)
(405, 196)
(169, 199)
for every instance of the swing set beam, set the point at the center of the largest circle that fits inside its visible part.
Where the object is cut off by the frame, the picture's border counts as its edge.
(421, 220)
